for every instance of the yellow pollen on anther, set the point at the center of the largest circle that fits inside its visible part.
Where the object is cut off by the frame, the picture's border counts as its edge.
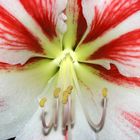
(42, 102)
(104, 92)
(65, 96)
(69, 88)
(56, 92)
(65, 99)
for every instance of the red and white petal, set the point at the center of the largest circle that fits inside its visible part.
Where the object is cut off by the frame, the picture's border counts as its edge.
(14, 35)
(120, 22)
(131, 24)
(47, 13)
(36, 21)
(123, 52)
(105, 15)
(123, 115)
(18, 95)
(17, 44)
(118, 44)
(76, 24)
(113, 75)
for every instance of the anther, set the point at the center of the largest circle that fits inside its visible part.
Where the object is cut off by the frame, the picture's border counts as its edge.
(42, 102)
(56, 92)
(66, 94)
(69, 88)
(104, 92)
(65, 99)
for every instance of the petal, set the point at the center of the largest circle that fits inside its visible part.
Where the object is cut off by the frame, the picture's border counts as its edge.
(124, 52)
(81, 129)
(33, 130)
(46, 14)
(37, 22)
(113, 75)
(18, 94)
(76, 24)
(17, 44)
(16, 36)
(116, 35)
(122, 119)
(123, 116)
(114, 11)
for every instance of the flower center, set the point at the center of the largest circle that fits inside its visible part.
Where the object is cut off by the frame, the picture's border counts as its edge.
(65, 54)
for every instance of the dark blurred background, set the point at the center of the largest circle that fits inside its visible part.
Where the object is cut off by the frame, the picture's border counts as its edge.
(11, 139)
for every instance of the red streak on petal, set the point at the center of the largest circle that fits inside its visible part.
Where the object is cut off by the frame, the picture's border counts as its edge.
(2, 102)
(114, 76)
(3, 105)
(114, 13)
(132, 118)
(14, 36)
(82, 25)
(43, 11)
(9, 67)
(123, 49)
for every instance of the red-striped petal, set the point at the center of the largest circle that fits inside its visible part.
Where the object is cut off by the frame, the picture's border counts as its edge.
(81, 22)
(132, 118)
(125, 49)
(45, 13)
(108, 14)
(14, 36)
(114, 76)
(113, 37)
(17, 44)
(124, 52)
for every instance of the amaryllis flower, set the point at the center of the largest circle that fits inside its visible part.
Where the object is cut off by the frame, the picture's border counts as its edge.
(70, 69)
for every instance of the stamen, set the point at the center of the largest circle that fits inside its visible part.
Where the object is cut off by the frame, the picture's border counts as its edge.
(65, 97)
(56, 92)
(56, 107)
(42, 102)
(69, 88)
(66, 94)
(46, 126)
(67, 115)
(72, 117)
(104, 92)
(98, 127)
